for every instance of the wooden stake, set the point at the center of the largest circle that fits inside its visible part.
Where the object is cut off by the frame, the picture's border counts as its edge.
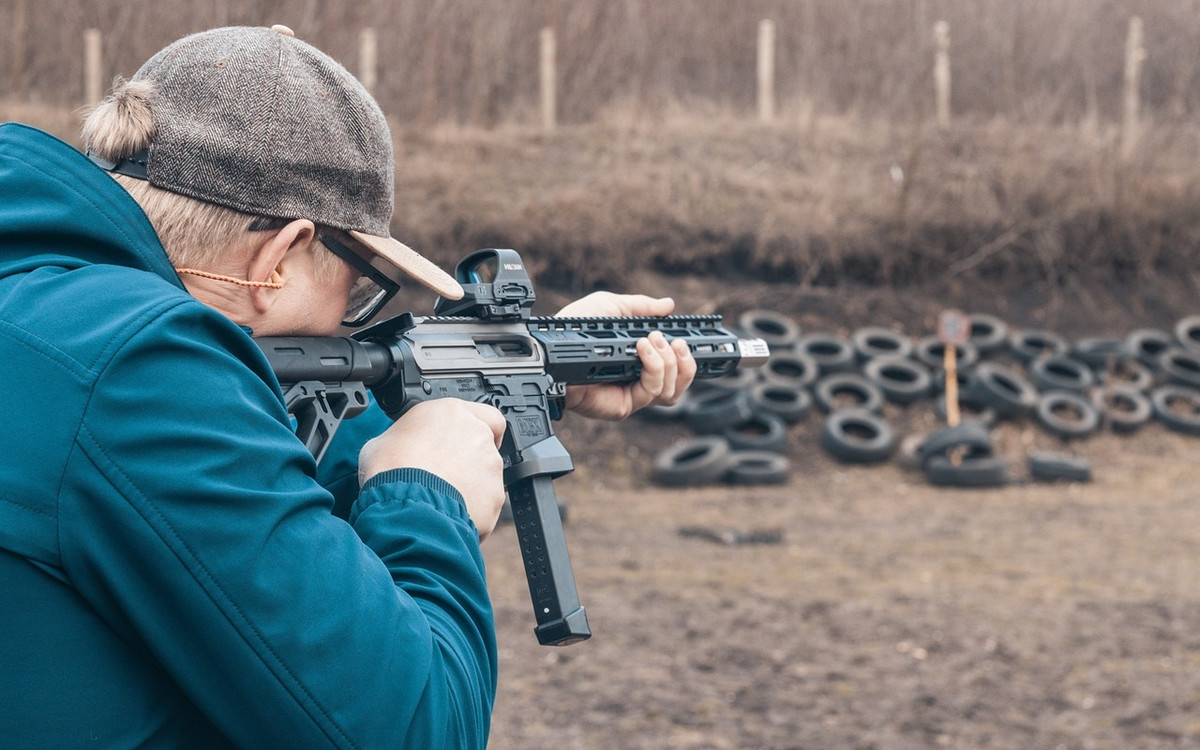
(368, 55)
(17, 45)
(951, 364)
(954, 330)
(93, 90)
(1135, 55)
(766, 70)
(941, 72)
(549, 79)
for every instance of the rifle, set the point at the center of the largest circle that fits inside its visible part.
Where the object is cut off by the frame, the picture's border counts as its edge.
(487, 347)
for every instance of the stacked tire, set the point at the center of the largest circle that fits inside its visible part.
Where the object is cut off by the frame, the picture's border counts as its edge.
(1071, 390)
(740, 422)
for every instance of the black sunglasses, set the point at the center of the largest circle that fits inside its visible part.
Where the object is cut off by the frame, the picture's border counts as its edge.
(370, 293)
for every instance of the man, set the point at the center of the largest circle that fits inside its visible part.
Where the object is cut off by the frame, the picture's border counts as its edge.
(171, 574)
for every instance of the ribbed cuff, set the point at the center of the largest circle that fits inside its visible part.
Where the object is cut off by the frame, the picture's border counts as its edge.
(415, 476)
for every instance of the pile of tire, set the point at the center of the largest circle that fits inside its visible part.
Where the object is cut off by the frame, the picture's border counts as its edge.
(739, 422)
(1069, 389)
(1074, 389)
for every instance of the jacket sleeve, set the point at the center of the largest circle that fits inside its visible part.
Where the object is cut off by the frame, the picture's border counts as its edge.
(192, 521)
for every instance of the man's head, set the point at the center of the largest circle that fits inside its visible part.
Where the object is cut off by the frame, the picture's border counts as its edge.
(226, 127)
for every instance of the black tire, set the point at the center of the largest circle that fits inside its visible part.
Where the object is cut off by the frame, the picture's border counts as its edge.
(969, 409)
(1146, 345)
(791, 368)
(1054, 467)
(902, 380)
(664, 413)
(964, 376)
(1181, 366)
(1098, 352)
(786, 401)
(981, 471)
(969, 438)
(931, 351)
(1187, 332)
(1177, 407)
(1032, 343)
(876, 341)
(697, 461)
(761, 432)
(830, 393)
(1004, 389)
(1122, 408)
(736, 380)
(1125, 371)
(757, 467)
(989, 334)
(778, 330)
(1067, 415)
(1061, 373)
(857, 436)
(709, 412)
(831, 353)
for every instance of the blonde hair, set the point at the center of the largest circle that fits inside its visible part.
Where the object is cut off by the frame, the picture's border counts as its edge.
(195, 233)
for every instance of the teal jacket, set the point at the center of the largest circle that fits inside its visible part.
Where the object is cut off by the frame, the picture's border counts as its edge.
(171, 573)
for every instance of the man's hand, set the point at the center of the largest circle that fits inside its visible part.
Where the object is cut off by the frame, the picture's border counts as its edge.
(667, 367)
(458, 441)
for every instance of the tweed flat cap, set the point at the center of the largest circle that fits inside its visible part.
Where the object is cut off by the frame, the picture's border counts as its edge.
(256, 120)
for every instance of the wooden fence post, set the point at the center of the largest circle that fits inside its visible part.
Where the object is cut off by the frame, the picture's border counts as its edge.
(368, 54)
(941, 72)
(766, 70)
(17, 47)
(549, 79)
(1135, 55)
(93, 90)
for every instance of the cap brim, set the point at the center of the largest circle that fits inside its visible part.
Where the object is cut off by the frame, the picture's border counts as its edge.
(412, 263)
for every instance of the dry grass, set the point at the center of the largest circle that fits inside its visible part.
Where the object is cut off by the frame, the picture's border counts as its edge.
(810, 204)
(823, 203)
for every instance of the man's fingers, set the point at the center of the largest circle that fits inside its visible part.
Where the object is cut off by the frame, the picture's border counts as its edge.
(654, 366)
(641, 304)
(670, 374)
(685, 372)
(608, 303)
(490, 416)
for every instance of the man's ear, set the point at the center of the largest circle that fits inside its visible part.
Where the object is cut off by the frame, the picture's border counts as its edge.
(273, 259)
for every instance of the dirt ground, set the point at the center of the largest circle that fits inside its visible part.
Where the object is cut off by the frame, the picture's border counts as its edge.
(893, 614)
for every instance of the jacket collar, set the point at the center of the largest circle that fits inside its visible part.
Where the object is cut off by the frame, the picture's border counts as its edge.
(58, 208)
